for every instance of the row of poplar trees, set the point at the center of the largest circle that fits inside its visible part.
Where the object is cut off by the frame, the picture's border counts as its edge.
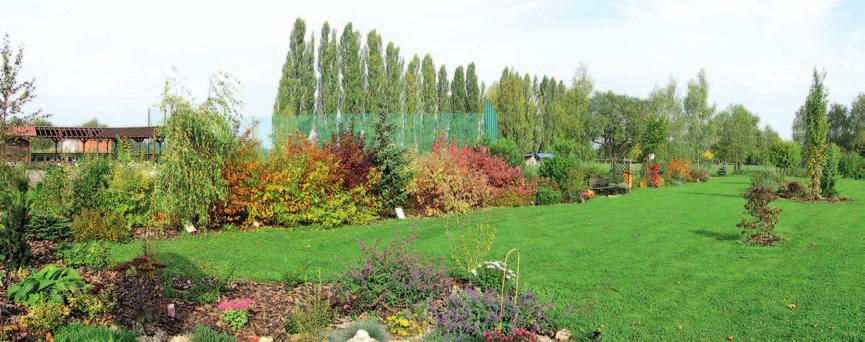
(353, 76)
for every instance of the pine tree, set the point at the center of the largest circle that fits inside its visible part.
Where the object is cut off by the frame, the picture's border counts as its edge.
(375, 75)
(473, 91)
(412, 83)
(444, 100)
(328, 69)
(351, 67)
(429, 85)
(458, 91)
(289, 97)
(393, 88)
(816, 131)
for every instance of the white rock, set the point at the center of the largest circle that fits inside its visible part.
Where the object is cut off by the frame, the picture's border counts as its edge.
(563, 335)
(190, 228)
(362, 336)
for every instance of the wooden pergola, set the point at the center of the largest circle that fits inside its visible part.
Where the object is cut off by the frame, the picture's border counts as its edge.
(22, 136)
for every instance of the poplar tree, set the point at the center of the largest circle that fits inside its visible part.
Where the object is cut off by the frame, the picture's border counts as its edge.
(393, 88)
(351, 68)
(816, 131)
(442, 97)
(458, 91)
(428, 70)
(375, 75)
(307, 79)
(288, 97)
(412, 83)
(328, 69)
(473, 91)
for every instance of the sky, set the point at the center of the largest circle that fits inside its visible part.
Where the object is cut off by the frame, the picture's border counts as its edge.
(109, 59)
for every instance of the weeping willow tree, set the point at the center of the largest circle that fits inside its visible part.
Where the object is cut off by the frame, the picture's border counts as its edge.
(200, 137)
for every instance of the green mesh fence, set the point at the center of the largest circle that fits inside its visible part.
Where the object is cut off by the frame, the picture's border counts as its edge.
(415, 131)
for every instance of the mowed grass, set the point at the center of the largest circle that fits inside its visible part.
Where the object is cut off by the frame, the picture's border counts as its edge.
(657, 264)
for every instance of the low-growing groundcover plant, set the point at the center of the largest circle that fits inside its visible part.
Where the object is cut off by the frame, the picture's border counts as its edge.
(50, 284)
(78, 332)
(468, 314)
(204, 333)
(235, 312)
(375, 330)
(760, 229)
(395, 276)
(90, 254)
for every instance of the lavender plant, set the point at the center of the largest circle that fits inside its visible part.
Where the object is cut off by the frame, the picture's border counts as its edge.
(466, 315)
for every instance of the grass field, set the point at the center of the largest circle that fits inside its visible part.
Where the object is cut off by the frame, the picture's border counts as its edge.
(657, 264)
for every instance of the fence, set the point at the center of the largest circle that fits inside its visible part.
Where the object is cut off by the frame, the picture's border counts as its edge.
(416, 131)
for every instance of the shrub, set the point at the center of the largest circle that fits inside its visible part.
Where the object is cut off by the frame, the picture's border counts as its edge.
(81, 332)
(830, 171)
(204, 333)
(770, 178)
(572, 184)
(129, 194)
(53, 196)
(655, 179)
(14, 250)
(556, 168)
(699, 175)
(760, 229)
(90, 254)
(470, 243)
(48, 227)
(310, 320)
(785, 155)
(89, 305)
(507, 150)
(90, 183)
(44, 317)
(355, 164)
(441, 186)
(235, 318)
(548, 195)
(98, 225)
(852, 165)
(722, 171)
(467, 314)
(371, 326)
(394, 276)
(489, 275)
(679, 170)
(50, 284)
(241, 175)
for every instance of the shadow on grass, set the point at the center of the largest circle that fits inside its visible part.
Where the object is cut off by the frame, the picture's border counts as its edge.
(718, 236)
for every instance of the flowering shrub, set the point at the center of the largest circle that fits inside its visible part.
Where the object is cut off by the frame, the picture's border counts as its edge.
(403, 324)
(467, 314)
(394, 276)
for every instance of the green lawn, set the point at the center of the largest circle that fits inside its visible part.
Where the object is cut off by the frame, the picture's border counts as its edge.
(642, 265)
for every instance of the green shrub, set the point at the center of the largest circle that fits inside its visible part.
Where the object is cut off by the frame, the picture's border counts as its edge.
(508, 150)
(470, 243)
(236, 318)
(14, 250)
(204, 333)
(375, 329)
(556, 169)
(50, 284)
(98, 225)
(548, 195)
(785, 155)
(488, 275)
(770, 178)
(311, 318)
(48, 227)
(52, 197)
(90, 184)
(78, 332)
(830, 171)
(129, 194)
(44, 317)
(88, 304)
(852, 165)
(90, 254)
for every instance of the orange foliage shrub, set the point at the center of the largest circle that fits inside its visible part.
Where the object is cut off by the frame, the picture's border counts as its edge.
(240, 173)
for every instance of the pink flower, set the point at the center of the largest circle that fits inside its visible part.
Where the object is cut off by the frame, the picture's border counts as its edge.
(238, 303)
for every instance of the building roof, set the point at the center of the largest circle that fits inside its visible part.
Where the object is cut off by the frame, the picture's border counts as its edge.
(82, 133)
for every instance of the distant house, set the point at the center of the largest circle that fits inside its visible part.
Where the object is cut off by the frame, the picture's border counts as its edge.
(535, 158)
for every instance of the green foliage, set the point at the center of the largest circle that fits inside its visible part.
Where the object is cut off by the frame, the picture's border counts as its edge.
(201, 139)
(14, 250)
(428, 85)
(90, 254)
(96, 225)
(488, 275)
(78, 332)
(50, 284)
(130, 194)
(204, 333)
(737, 135)
(296, 92)
(458, 91)
(44, 317)
(616, 121)
(53, 196)
(90, 305)
(508, 150)
(392, 162)
(412, 86)
(548, 195)
(372, 326)
(312, 318)
(442, 94)
(89, 183)
(235, 318)
(817, 129)
(48, 227)
(328, 69)
(394, 69)
(556, 168)
(470, 243)
(473, 90)
(830, 172)
(351, 66)
(785, 155)
(852, 165)
(375, 74)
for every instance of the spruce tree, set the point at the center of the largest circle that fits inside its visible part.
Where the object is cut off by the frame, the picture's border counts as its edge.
(393, 88)
(473, 91)
(351, 68)
(458, 91)
(412, 81)
(816, 131)
(442, 97)
(375, 75)
(429, 85)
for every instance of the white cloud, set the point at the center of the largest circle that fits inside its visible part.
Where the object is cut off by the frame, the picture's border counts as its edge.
(109, 58)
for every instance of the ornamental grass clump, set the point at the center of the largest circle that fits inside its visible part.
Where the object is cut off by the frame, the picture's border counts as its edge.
(394, 276)
(760, 229)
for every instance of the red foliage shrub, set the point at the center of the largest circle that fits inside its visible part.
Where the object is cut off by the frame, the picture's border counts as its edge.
(355, 164)
(655, 179)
